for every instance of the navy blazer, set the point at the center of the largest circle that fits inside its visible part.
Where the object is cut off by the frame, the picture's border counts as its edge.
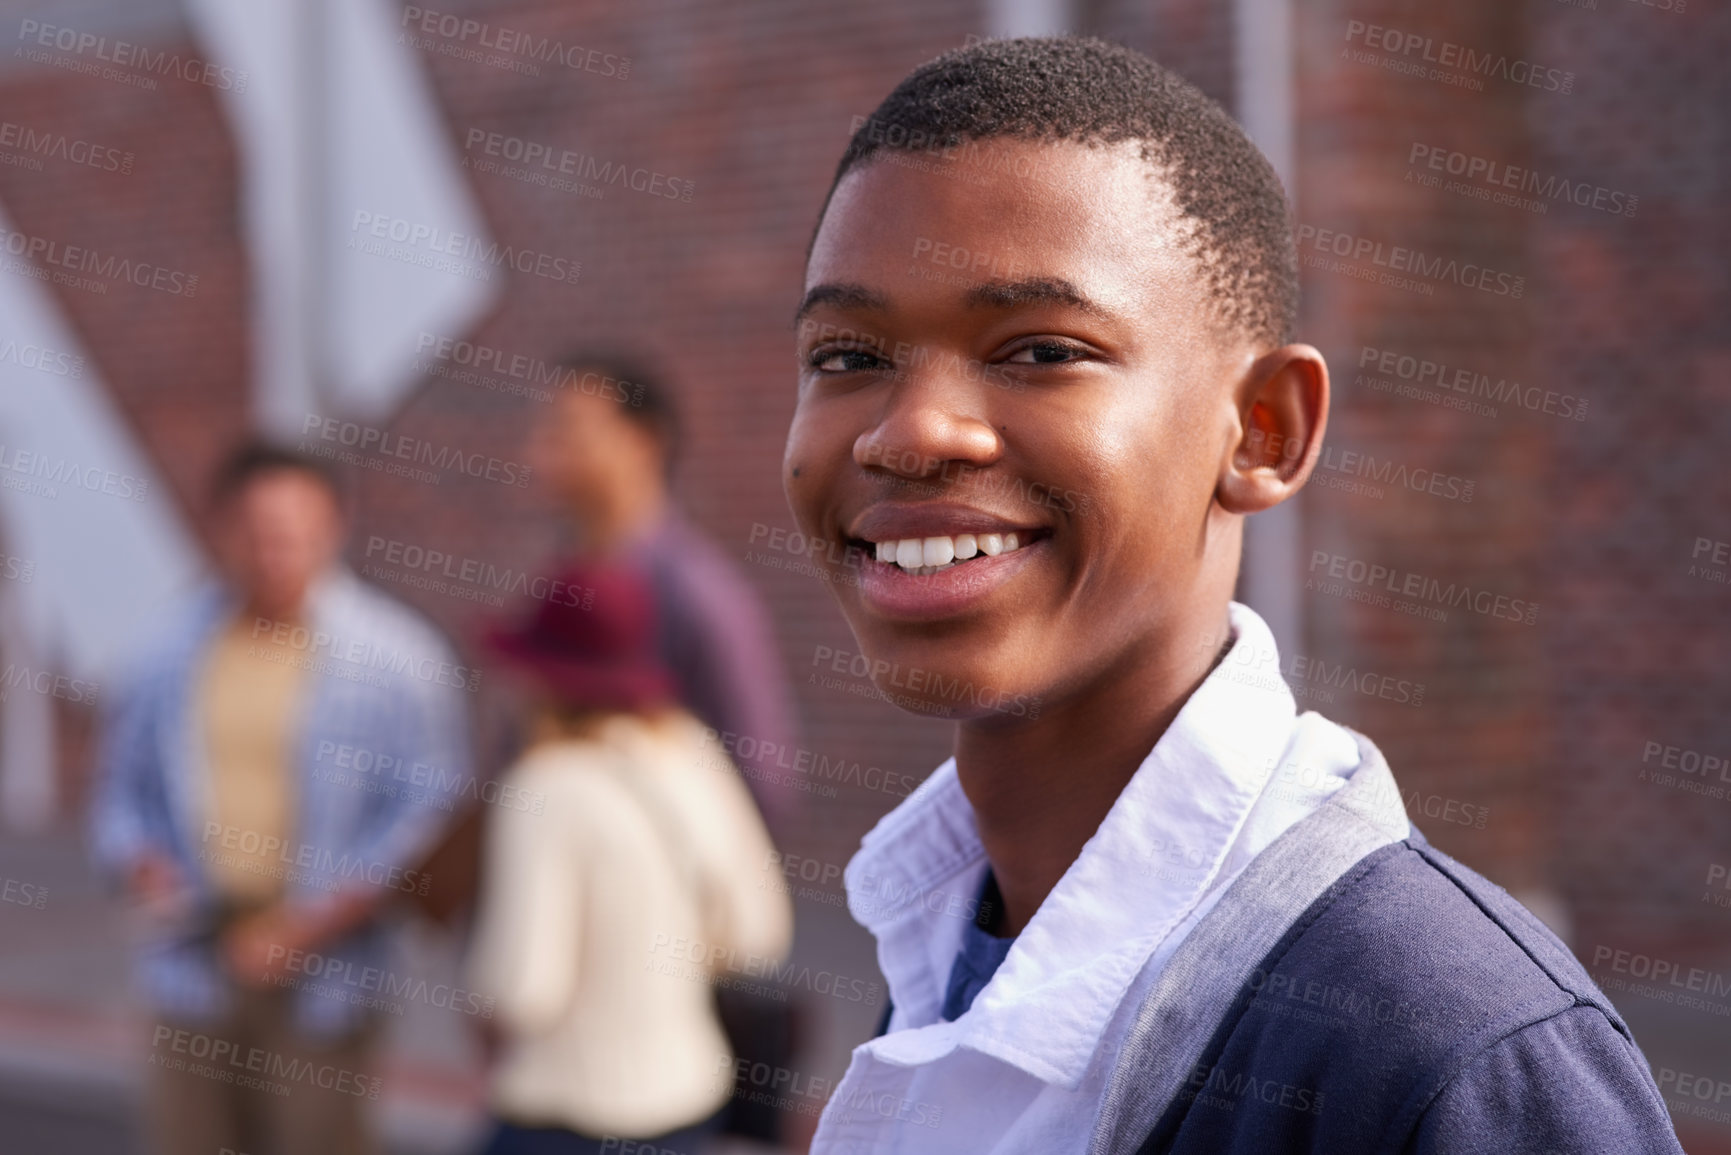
(1358, 992)
(1417, 1008)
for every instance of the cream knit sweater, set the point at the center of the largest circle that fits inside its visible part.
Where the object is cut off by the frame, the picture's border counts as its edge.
(599, 916)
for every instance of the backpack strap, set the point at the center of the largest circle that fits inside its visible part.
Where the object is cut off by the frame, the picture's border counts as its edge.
(1203, 983)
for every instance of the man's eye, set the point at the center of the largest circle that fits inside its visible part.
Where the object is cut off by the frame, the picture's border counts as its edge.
(846, 361)
(1044, 353)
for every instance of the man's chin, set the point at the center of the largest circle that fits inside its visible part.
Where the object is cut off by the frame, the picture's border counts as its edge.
(951, 691)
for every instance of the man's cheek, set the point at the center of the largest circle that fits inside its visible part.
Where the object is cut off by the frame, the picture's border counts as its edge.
(814, 452)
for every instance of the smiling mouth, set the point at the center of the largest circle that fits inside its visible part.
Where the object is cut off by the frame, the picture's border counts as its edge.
(924, 556)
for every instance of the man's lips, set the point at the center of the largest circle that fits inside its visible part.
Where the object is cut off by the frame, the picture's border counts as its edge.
(928, 537)
(929, 594)
(930, 560)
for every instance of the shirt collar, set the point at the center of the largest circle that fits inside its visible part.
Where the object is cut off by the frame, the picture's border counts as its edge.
(1155, 856)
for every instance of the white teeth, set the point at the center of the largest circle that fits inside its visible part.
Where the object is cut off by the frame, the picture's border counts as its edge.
(928, 555)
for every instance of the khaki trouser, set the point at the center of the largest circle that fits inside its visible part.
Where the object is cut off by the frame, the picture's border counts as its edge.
(255, 1085)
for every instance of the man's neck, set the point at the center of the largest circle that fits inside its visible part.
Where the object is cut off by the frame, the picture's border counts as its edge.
(1040, 789)
(253, 614)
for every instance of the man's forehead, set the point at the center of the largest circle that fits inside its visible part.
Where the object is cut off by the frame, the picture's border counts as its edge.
(1072, 216)
(1023, 178)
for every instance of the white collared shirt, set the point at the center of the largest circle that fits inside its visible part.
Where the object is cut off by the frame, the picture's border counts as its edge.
(1024, 1069)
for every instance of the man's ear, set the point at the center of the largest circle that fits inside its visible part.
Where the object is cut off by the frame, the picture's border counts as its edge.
(1282, 410)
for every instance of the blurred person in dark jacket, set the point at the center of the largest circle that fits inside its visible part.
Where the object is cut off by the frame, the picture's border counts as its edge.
(605, 452)
(252, 797)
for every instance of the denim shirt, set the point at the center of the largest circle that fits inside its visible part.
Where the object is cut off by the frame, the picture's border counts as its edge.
(382, 760)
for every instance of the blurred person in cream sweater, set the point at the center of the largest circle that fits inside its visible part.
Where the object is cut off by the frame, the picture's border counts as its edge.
(635, 876)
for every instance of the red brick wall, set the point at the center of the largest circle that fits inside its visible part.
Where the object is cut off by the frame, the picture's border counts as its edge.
(1593, 519)
(1636, 318)
(176, 364)
(1544, 727)
(1477, 737)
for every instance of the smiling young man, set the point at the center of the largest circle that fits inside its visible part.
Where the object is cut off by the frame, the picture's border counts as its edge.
(1045, 357)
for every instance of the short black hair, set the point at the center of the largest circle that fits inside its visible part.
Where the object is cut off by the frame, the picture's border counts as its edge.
(1068, 88)
(641, 391)
(253, 459)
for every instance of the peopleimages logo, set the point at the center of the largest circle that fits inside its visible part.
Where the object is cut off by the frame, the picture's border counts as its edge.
(369, 439)
(159, 62)
(359, 655)
(1260, 667)
(928, 684)
(952, 256)
(228, 1062)
(327, 976)
(1373, 584)
(878, 897)
(1399, 259)
(443, 250)
(47, 683)
(1213, 1086)
(58, 256)
(1424, 374)
(302, 862)
(41, 358)
(561, 169)
(511, 42)
(1278, 993)
(475, 572)
(1668, 979)
(757, 758)
(1357, 468)
(39, 467)
(1718, 877)
(24, 893)
(532, 371)
(1495, 176)
(1453, 63)
(697, 961)
(1717, 567)
(1690, 1094)
(34, 144)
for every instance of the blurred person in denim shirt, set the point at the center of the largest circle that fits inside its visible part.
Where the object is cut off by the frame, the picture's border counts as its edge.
(270, 774)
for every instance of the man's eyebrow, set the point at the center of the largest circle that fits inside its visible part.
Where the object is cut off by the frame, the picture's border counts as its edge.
(1031, 291)
(843, 295)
